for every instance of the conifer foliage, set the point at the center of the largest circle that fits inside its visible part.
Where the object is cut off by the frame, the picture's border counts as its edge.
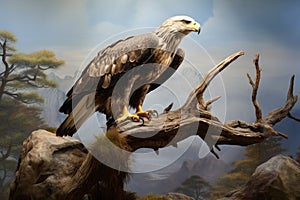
(20, 75)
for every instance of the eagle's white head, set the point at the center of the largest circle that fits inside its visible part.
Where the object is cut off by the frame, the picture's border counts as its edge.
(181, 24)
(174, 29)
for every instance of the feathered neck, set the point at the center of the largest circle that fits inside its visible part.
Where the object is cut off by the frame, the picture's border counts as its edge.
(169, 38)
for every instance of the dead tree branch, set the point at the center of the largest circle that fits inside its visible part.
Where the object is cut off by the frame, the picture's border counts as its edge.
(255, 86)
(293, 117)
(278, 114)
(174, 126)
(171, 127)
(199, 91)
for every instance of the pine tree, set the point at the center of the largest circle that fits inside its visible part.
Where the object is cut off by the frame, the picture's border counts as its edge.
(242, 169)
(20, 75)
(196, 187)
(17, 121)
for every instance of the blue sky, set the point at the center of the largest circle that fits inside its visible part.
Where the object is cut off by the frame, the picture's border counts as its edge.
(73, 28)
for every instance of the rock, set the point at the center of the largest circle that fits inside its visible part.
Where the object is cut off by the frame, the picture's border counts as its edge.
(45, 164)
(48, 164)
(276, 179)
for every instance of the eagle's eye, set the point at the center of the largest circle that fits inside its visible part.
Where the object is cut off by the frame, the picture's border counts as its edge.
(186, 21)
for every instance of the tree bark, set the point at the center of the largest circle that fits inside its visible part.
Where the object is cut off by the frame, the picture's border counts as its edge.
(6, 69)
(172, 126)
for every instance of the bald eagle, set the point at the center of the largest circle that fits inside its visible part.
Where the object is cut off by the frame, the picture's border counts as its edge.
(123, 73)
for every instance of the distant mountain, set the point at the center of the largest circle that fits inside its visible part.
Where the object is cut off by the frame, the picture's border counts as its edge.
(168, 179)
(64, 84)
(54, 98)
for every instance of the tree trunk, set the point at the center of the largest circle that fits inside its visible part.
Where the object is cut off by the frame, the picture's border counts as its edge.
(6, 70)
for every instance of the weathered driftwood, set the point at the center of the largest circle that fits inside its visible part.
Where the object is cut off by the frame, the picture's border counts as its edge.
(195, 113)
(193, 118)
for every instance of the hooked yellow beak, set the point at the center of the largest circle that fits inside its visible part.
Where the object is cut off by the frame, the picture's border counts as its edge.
(194, 26)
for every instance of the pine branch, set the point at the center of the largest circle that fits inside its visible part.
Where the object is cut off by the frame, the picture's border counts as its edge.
(26, 98)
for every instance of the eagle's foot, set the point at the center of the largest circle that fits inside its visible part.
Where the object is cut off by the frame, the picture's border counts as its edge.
(133, 117)
(126, 115)
(138, 116)
(147, 114)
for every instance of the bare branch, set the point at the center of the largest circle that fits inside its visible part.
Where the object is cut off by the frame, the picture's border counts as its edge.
(209, 102)
(217, 147)
(280, 113)
(174, 126)
(250, 80)
(214, 153)
(170, 128)
(255, 86)
(291, 88)
(293, 117)
(168, 108)
(199, 91)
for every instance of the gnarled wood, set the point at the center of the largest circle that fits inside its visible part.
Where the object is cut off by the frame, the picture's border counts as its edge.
(174, 126)
(255, 86)
(193, 118)
(163, 130)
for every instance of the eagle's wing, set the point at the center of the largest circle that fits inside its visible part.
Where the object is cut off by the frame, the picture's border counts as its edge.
(177, 60)
(101, 75)
(102, 71)
(139, 95)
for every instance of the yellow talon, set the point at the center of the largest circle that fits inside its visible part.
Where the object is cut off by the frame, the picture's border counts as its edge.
(147, 114)
(127, 115)
(134, 117)
(138, 115)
